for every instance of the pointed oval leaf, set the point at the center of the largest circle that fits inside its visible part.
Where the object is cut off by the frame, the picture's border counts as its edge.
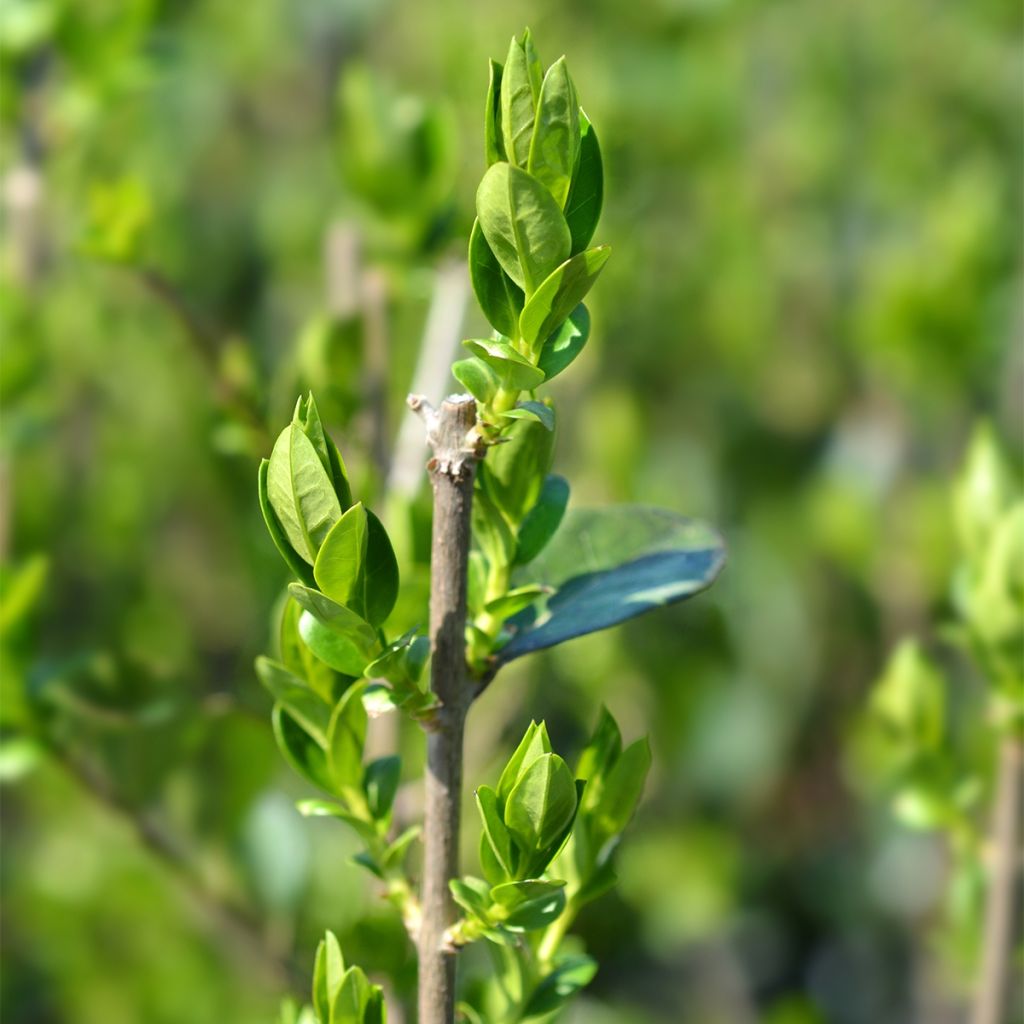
(381, 579)
(339, 567)
(555, 144)
(559, 295)
(523, 225)
(514, 371)
(520, 88)
(529, 904)
(300, 750)
(583, 207)
(558, 987)
(328, 972)
(499, 296)
(494, 830)
(346, 737)
(316, 504)
(534, 743)
(565, 344)
(608, 565)
(380, 782)
(345, 652)
(542, 521)
(494, 144)
(477, 378)
(622, 788)
(542, 803)
(295, 562)
(305, 706)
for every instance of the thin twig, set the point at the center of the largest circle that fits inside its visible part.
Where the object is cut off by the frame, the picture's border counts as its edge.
(451, 433)
(992, 998)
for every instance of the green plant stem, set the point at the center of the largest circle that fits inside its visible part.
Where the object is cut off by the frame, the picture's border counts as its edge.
(451, 434)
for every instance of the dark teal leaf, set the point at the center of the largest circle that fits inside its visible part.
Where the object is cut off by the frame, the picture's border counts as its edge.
(565, 344)
(608, 565)
(540, 524)
(583, 207)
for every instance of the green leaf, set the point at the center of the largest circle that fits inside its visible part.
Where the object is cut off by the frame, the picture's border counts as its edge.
(600, 753)
(529, 904)
(561, 292)
(328, 972)
(300, 750)
(519, 91)
(555, 145)
(380, 783)
(540, 524)
(477, 378)
(494, 144)
(495, 832)
(565, 344)
(557, 988)
(499, 296)
(403, 659)
(514, 371)
(307, 416)
(351, 1001)
(608, 565)
(491, 532)
(542, 803)
(523, 225)
(513, 473)
(544, 414)
(534, 743)
(346, 737)
(301, 493)
(583, 207)
(304, 706)
(331, 809)
(622, 788)
(299, 659)
(395, 853)
(472, 894)
(295, 562)
(339, 565)
(335, 634)
(514, 601)
(357, 567)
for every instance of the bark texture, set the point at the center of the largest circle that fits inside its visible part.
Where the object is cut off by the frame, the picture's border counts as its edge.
(451, 434)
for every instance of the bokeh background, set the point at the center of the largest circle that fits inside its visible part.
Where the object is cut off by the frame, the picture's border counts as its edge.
(815, 292)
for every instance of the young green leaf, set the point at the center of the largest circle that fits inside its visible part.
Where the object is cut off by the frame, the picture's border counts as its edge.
(499, 296)
(295, 562)
(328, 973)
(381, 572)
(622, 788)
(555, 145)
(540, 524)
(335, 634)
(339, 565)
(495, 832)
(306, 707)
(534, 743)
(514, 601)
(380, 783)
(543, 413)
(299, 659)
(300, 750)
(472, 894)
(562, 347)
(513, 474)
(307, 416)
(557, 988)
(352, 999)
(541, 804)
(561, 292)
(530, 904)
(346, 737)
(519, 91)
(600, 753)
(523, 225)
(494, 143)
(514, 372)
(583, 207)
(491, 532)
(477, 378)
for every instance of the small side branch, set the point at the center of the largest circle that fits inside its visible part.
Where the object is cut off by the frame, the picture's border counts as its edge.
(992, 999)
(451, 433)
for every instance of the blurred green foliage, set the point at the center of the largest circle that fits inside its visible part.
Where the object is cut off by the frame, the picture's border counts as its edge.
(815, 213)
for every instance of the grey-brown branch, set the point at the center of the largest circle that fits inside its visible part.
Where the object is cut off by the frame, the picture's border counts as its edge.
(451, 433)
(992, 1000)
